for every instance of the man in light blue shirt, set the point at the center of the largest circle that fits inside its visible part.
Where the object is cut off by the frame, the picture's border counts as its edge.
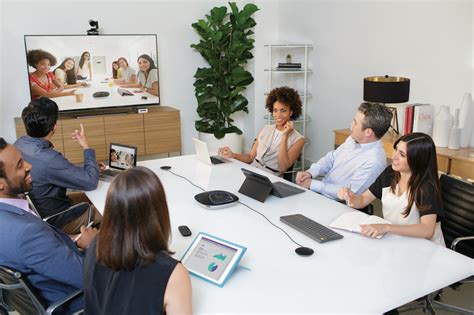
(358, 161)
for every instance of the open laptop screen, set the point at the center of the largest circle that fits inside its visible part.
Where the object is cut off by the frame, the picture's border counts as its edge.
(122, 156)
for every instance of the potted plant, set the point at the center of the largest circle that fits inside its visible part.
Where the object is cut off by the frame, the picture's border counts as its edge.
(226, 44)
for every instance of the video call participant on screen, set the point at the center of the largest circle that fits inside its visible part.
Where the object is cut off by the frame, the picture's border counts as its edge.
(42, 81)
(84, 69)
(147, 75)
(66, 74)
(358, 161)
(128, 73)
(409, 190)
(277, 146)
(116, 70)
(128, 268)
(46, 256)
(52, 173)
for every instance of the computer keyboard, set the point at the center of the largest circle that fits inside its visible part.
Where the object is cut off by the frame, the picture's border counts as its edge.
(310, 228)
(216, 160)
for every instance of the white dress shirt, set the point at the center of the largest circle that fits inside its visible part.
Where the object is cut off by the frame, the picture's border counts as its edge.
(351, 165)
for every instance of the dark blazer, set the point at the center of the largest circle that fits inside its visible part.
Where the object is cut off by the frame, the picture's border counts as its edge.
(47, 256)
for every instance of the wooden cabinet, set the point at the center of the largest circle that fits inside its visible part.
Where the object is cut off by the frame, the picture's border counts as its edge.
(126, 129)
(162, 132)
(94, 129)
(453, 162)
(155, 132)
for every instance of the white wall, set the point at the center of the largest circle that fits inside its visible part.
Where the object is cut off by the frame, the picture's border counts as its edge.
(170, 20)
(431, 42)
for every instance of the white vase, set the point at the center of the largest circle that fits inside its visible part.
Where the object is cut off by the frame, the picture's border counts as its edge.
(231, 140)
(455, 133)
(466, 117)
(441, 128)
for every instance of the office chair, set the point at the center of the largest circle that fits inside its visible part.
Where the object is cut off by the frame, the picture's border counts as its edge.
(80, 208)
(17, 294)
(458, 232)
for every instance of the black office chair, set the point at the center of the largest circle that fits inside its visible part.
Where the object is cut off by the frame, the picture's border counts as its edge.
(79, 208)
(458, 232)
(17, 294)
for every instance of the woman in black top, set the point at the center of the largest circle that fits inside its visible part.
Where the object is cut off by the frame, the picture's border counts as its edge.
(409, 191)
(128, 268)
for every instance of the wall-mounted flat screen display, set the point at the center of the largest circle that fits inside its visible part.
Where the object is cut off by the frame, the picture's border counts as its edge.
(81, 72)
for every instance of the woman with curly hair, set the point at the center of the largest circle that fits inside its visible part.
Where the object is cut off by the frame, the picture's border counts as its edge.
(42, 81)
(277, 146)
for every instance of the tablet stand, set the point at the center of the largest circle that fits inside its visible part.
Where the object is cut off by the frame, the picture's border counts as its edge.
(255, 189)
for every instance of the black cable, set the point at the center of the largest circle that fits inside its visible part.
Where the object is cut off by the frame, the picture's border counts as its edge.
(291, 239)
(186, 180)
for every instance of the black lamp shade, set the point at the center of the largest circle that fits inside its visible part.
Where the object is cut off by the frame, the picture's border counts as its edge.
(385, 89)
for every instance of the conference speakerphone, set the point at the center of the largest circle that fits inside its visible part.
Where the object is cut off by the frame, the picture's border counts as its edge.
(216, 199)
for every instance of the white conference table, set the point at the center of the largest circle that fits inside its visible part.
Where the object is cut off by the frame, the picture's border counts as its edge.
(114, 99)
(356, 274)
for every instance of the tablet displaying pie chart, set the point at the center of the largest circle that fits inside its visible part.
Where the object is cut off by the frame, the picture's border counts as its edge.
(212, 267)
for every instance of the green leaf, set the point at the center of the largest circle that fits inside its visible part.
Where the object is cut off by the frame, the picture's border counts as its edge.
(226, 46)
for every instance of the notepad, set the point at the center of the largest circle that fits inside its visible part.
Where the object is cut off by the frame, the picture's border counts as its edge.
(351, 221)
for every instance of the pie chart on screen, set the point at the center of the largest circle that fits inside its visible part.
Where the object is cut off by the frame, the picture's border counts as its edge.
(212, 267)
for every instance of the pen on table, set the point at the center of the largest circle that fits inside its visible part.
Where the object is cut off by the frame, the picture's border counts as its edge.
(80, 234)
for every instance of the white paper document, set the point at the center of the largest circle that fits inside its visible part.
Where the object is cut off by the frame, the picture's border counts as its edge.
(351, 221)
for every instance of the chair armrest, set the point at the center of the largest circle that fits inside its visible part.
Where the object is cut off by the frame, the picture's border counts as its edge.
(460, 239)
(76, 206)
(67, 298)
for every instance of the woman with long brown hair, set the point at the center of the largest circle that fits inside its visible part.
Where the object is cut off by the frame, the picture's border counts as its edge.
(128, 268)
(409, 190)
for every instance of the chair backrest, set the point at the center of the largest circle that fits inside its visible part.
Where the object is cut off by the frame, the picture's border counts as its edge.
(458, 202)
(18, 293)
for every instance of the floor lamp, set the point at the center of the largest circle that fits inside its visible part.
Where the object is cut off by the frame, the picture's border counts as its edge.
(387, 90)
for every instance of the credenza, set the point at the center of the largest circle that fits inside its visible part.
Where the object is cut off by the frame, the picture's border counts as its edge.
(156, 132)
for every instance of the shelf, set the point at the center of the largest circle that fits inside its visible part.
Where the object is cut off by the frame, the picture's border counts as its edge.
(290, 71)
(290, 45)
(299, 120)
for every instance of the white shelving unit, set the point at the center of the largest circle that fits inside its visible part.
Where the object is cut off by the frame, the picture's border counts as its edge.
(276, 54)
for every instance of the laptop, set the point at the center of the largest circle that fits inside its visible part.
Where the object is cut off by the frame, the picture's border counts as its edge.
(203, 155)
(258, 186)
(121, 158)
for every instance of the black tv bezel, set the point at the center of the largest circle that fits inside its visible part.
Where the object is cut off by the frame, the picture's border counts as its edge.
(99, 110)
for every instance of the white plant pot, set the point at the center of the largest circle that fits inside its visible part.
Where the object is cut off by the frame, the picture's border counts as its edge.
(231, 140)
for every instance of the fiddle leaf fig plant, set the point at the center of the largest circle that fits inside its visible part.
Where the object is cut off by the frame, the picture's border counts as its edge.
(226, 44)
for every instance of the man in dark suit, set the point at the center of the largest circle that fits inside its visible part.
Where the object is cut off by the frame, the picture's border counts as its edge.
(47, 256)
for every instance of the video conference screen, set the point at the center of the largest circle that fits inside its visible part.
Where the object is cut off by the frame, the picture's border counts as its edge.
(95, 70)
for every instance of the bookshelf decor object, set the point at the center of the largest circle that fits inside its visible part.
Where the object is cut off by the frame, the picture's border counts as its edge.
(293, 73)
(387, 90)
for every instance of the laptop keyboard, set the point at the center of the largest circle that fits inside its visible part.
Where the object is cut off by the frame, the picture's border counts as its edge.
(310, 228)
(215, 160)
(110, 172)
